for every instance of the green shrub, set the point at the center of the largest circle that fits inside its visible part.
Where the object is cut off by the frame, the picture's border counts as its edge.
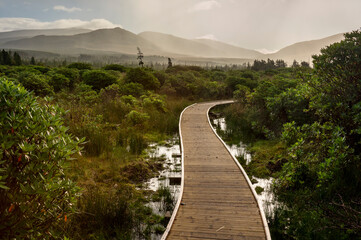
(119, 213)
(37, 83)
(98, 79)
(36, 199)
(132, 88)
(80, 66)
(59, 82)
(137, 118)
(115, 67)
(71, 73)
(144, 77)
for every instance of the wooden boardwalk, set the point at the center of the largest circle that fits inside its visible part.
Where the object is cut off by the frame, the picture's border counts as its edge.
(216, 200)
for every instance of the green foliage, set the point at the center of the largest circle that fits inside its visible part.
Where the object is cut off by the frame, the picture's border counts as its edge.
(313, 117)
(97, 140)
(232, 82)
(132, 88)
(37, 83)
(80, 66)
(322, 173)
(143, 77)
(32, 61)
(338, 70)
(318, 154)
(42, 69)
(161, 76)
(59, 82)
(70, 73)
(115, 67)
(259, 190)
(259, 65)
(241, 93)
(98, 79)
(119, 213)
(275, 101)
(219, 76)
(153, 102)
(36, 197)
(137, 118)
(164, 196)
(5, 58)
(17, 59)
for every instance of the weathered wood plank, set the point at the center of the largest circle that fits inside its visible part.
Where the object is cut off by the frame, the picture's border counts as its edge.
(217, 201)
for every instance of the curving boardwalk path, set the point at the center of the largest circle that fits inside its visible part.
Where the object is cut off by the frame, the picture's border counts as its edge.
(217, 201)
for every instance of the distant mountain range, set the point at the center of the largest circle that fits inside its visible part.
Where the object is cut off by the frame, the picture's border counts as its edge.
(119, 41)
(303, 51)
(20, 34)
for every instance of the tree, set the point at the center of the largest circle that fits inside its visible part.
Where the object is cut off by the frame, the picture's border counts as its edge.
(17, 59)
(305, 64)
(170, 63)
(140, 57)
(80, 66)
(320, 182)
(280, 63)
(6, 58)
(36, 198)
(32, 61)
(295, 64)
(338, 68)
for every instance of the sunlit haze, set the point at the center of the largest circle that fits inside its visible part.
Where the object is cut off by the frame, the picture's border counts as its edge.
(265, 25)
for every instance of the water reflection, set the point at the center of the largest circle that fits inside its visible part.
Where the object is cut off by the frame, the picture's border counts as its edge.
(266, 197)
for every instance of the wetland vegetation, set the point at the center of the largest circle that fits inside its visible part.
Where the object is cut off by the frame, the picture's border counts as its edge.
(73, 159)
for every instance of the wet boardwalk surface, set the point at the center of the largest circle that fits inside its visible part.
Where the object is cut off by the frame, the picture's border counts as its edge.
(217, 202)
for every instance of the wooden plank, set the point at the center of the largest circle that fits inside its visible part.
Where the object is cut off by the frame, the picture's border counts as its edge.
(217, 201)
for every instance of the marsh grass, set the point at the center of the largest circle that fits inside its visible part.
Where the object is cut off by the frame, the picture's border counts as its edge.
(117, 213)
(268, 156)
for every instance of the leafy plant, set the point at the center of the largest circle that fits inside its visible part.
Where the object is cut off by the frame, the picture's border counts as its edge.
(98, 79)
(36, 198)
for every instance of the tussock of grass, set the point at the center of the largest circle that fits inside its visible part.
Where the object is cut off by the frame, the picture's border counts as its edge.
(267, 158)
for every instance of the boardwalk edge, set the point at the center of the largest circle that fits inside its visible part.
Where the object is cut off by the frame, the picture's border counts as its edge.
(263, 216)
(176, 208)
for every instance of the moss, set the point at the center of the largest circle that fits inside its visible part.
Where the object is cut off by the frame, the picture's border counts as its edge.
(254, 181)
(259, 190)
(241, 160)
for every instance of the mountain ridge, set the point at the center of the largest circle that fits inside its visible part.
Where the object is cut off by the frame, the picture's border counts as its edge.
(119, 40)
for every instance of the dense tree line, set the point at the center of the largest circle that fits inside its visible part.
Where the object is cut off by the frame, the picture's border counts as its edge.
(312, 118)
(262, 65)
(9, 58)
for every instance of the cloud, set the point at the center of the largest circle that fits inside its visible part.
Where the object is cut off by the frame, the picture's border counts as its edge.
(204, 6)
(65, 9)
(208, 36)
(9, 24)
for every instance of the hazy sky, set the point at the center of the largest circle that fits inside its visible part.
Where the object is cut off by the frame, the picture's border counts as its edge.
(253, 24)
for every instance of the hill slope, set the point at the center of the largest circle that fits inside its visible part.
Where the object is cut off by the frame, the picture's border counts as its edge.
(20, 34)
(102, 40)
(117, 40)
(303, 51)
(197, 48)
